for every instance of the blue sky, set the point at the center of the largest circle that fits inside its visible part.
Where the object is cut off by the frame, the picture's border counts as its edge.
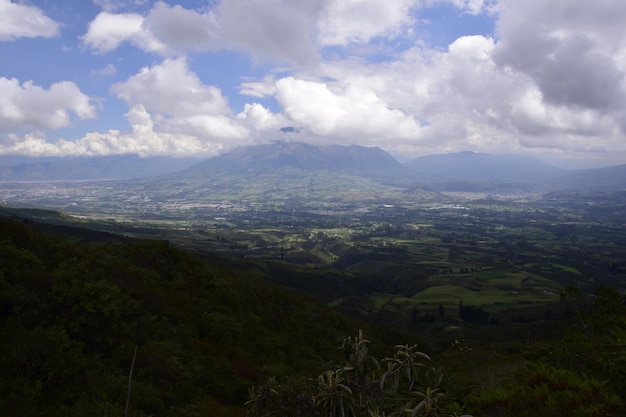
(414, 77)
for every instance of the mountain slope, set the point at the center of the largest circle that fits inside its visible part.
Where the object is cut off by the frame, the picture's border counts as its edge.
(202, 332)
(472, 166)
(263, 159)
(294, 172)
(608, 178)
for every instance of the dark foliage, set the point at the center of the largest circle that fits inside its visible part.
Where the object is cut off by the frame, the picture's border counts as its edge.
(72, 312)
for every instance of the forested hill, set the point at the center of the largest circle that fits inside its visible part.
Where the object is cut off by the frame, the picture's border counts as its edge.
(72, 312)
(91, 323)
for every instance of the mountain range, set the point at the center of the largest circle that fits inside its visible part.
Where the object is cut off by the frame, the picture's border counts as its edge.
(14, 168)
(291, 164)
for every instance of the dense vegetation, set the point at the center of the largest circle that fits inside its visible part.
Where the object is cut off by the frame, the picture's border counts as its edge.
(73, 311)
(89, 321)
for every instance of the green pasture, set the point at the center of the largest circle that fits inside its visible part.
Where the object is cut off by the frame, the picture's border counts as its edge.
(486, 297)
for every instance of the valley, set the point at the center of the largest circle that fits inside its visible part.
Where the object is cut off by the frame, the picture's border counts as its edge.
(267, 265)
(403, 251)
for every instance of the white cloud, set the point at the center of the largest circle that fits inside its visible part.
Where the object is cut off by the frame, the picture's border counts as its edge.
(354, 114)
(171, 89)
(19, 20)
(107, 31)
(358, 21)
(447, 97)
(142, 140)
(180, 104)
(259, 119)
(259, 89)
(540, 86)
(24, 106)
(290, 31)
(165, 30)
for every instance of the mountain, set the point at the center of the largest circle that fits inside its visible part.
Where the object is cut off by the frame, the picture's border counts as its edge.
(292, 171)
(471, 171)
(291, 156)
(90, 168)
(473, 166)
(13, 160)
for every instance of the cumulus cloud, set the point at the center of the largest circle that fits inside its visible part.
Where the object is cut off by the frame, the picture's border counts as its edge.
(258, 118)
(569, 48)
(428, 100)
(542, 84)
(27, 106)
(269, 30)
(170, 88)
(356, 112)
(164, 30)
(142, 140)
(19, 20)
(181, 104)
(347, 21)
(108, 30)
(291, 31)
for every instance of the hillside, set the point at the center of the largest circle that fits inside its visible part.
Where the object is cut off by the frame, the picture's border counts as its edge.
(74, 308)
(83, 314)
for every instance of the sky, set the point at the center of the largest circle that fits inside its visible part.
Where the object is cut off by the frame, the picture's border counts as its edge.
(413, 77)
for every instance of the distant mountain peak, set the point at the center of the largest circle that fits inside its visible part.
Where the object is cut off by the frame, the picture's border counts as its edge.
(361, 160)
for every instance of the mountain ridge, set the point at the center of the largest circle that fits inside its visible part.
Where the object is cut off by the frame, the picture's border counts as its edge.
(485, 167)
